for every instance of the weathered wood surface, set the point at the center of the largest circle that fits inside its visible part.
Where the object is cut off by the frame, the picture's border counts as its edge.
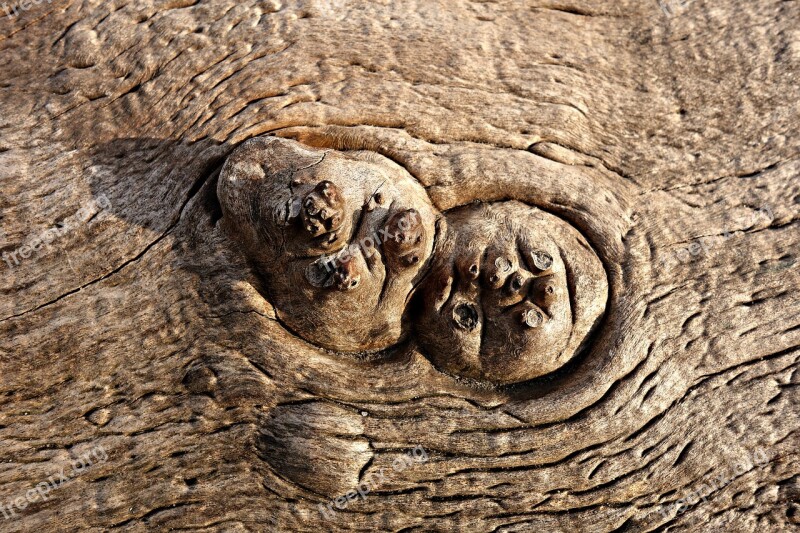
(668, 136)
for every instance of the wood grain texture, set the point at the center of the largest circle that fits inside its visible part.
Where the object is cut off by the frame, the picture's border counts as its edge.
(668, 137)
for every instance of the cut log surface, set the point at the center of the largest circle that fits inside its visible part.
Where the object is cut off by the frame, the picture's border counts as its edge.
(146, 382)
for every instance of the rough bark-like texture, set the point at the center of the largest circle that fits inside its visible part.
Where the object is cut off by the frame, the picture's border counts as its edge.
(666, 134)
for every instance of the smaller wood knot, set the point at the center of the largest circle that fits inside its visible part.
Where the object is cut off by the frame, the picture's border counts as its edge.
(515, 299)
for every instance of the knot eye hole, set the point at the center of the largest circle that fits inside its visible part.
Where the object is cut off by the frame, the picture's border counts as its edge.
(503, 264)
(541, 260)
(516, 283)
(465, 316)
(532, 318)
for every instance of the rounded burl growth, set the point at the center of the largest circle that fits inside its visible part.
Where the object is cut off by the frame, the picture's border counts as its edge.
(340, 239)
(512, 294)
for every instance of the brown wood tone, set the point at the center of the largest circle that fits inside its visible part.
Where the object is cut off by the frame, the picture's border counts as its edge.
(148, 383)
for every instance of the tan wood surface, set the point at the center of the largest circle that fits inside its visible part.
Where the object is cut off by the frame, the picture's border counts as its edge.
(668, 134)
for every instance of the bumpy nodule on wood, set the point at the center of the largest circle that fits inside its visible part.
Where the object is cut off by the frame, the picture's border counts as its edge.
(340, 238)
(344, 238)
(512, 295)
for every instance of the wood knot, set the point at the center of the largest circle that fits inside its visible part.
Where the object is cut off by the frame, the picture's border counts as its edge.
(316, 445)
(508, 293)
(514, 297)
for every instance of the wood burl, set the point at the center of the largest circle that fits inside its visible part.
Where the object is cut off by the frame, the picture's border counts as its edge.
(340, 238)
